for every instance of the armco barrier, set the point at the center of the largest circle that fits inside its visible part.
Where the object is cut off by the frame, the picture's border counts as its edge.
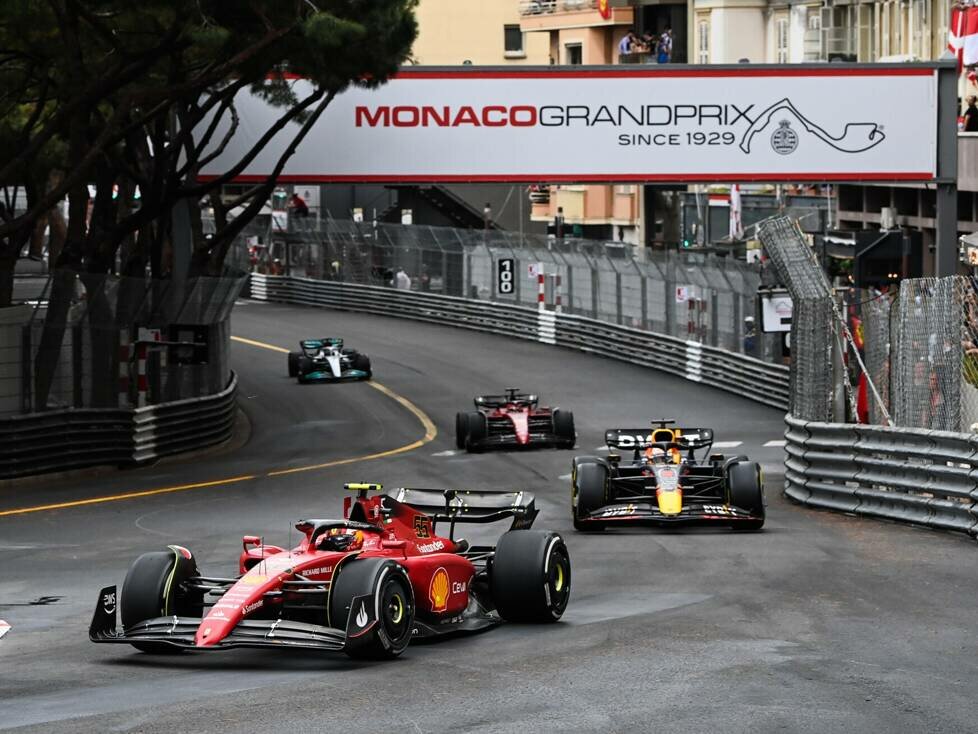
(907, 474)
(74, 439)
(746, 376)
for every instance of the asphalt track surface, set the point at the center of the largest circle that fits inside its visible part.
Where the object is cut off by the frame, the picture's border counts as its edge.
(821, 623)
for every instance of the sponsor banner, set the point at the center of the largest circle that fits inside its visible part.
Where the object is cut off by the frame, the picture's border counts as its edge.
(791, 122)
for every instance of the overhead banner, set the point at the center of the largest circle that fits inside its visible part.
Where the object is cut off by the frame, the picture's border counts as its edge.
(681, 124)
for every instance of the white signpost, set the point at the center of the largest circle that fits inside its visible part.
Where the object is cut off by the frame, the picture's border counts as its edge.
(764, 123)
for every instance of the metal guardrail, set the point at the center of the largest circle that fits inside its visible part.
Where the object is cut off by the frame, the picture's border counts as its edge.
(752, 378)
(911, 475)
(78, 438)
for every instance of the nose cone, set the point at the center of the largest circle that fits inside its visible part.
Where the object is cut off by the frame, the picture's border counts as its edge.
(670, 501)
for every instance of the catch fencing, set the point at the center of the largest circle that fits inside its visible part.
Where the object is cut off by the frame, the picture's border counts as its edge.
(907, 361)
(79, 340)
(751, 378)
(693, 296)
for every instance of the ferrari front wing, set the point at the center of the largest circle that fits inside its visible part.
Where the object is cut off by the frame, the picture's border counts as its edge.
(180, 632)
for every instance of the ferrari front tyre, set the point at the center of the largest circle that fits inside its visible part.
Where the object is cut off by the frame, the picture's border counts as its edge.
(589, 492)
(478, 430)
(294, 363)
(564, 428)
(362, 362)
(386, 584)
(461, 430)
(747, 493)
(531, 576)
(153, 588)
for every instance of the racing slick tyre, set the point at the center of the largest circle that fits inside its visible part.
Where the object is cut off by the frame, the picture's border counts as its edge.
(747, 492)
(362, 362)
(303, 365)
(478, 430)
(461, 429)
(387, 584)
(153, 589)
(564, 428)
(531, 576)
(294, 363)
(589, 491)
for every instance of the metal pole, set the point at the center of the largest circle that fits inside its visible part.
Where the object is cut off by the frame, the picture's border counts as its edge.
(946, 251)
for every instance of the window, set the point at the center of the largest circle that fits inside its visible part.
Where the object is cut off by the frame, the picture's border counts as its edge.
(573, 54)
(703, 42)
(782, 40)
(513, 41)
(814, 19)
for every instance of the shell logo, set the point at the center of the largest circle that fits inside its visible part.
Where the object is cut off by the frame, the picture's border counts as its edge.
(438, 590)
(604, 9)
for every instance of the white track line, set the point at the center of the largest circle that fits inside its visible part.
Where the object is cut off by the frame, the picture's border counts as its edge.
(779, 443)
(727, 444)
(445, 453)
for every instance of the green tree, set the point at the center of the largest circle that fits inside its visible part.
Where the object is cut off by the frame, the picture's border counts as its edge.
(119, 94)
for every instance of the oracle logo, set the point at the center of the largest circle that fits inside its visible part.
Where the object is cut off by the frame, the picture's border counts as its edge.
(446, 116)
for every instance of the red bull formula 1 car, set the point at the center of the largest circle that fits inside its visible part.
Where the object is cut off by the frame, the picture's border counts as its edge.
(513, 420)
(366, 584)
(326, 360)
(662, 481)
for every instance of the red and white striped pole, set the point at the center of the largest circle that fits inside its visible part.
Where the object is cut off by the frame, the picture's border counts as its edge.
(558, 305)
(541, 291)
(142, 383)
(124, 355)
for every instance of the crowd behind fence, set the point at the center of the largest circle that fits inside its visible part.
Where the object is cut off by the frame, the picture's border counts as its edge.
(692, 295)
(918, 345)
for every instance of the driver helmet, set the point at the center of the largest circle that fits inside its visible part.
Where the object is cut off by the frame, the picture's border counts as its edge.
(342, 539)
(654, 455)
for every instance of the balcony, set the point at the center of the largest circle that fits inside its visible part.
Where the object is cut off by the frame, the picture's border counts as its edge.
(597, 204)
(551, 15)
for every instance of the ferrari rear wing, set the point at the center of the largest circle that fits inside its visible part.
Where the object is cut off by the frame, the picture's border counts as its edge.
(639, 438)
(468, 506)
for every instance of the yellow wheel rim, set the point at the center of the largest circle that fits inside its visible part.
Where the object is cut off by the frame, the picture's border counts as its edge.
(397, 609)
(559, 580)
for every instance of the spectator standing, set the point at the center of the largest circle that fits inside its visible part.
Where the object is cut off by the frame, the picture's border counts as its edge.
(664, 48)
(298, 206)
(626, 44)
(971, 115)
(402, 280)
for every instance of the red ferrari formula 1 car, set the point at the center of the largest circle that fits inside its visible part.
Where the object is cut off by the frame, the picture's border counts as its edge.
(513, 420)
(365, 585)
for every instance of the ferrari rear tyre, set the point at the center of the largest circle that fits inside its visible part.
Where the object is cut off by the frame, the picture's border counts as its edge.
(153, 589)
(531, 576)
(294, 363)
(461, 430)
(478, 430)
(564, 428)
(362, 362)
(747, 492)
(589, 491)
(387, 585)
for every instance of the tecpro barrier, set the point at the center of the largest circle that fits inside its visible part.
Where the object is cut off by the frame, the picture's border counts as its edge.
(751, 378)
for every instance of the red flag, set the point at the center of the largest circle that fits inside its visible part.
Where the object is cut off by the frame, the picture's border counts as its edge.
(971, 37)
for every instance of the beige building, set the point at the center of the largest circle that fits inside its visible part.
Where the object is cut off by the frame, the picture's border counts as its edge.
(781, 31)
(481, 32)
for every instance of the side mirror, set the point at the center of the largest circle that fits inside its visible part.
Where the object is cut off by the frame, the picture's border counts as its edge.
(250, 540)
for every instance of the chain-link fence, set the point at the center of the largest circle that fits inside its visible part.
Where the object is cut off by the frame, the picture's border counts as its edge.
(98, 341)
(692, 295)
(912, 356)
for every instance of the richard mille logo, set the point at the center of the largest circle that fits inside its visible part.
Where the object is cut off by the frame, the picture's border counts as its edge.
(784, 140)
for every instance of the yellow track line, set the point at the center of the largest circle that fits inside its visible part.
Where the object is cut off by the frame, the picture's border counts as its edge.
(430, 432)
(126, 496)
